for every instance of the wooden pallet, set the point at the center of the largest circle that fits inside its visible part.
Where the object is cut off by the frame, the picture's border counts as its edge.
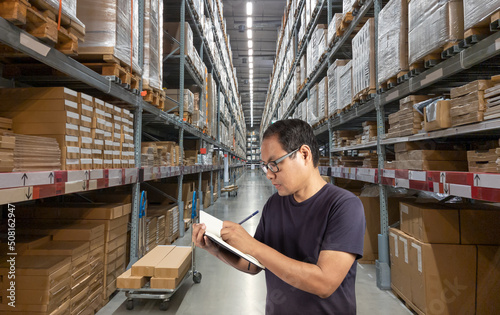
(154, 96)
(346, 21)
(406, 301)
(364, 96)
(481, 30)
(393, 81)
(108, 65)
(40, 23)
(433, 58)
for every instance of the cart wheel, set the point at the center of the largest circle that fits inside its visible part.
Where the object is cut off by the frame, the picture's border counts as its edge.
(130, 305)
(197, 277)
(163, 306)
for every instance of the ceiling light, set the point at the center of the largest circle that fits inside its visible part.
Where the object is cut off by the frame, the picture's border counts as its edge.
(249, 34)
(250, 44)
(249, 22)
(250, 52)
(250, 65)
(250, 59)
(249, 8)
(251, 70)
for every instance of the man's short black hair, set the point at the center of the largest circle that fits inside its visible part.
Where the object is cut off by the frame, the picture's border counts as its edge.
(293, 133)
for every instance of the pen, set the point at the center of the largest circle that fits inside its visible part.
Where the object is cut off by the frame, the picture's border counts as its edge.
(249, 217)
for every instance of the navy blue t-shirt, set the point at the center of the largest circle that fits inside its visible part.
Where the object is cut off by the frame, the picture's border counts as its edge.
(332, 219)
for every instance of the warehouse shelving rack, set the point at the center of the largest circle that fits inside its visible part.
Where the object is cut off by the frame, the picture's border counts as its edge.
(18, 187)
(479, 61)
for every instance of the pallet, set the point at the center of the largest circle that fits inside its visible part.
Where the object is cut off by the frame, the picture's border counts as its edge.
(346, 21)
(364, 96)
(109, 66)
(406, 301)
(432, 59)
(482, 30)
(41, 24)
(154, 96)
(187, 117)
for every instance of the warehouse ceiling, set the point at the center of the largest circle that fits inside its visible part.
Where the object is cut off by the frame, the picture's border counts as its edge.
(266, 16)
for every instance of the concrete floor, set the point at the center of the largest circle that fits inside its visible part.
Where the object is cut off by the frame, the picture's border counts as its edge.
(223, 290)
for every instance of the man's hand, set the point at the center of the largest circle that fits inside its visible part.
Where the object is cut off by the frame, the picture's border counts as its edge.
(236, 236)
(201, 241)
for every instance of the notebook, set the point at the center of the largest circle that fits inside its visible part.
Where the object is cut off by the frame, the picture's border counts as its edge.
(214, 226)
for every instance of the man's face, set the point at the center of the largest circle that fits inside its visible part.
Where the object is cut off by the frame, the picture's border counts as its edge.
(287, 179)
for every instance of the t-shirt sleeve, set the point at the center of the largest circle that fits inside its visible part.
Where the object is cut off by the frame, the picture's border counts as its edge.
(345, 231)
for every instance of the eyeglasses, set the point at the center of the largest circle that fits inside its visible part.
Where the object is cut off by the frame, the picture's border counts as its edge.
(273, 165)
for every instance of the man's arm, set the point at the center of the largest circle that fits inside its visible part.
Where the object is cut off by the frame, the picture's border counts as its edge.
(321, 279)
(200, 240)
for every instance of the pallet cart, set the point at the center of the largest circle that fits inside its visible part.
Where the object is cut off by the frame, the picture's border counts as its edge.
(147, 293)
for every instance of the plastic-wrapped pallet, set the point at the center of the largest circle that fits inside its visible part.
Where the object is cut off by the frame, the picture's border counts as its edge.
(153, 44)
(345, 85)
(304, 110)
(363, 60)
(333, 86)
(312, 106)
(433, 24)
(311, 63)
(323, 99)
(321, 34)
(298, 111)
(477, 13)
(392, 40)
(112, 28)
(347, 5)
(68, 17)
(332, 27)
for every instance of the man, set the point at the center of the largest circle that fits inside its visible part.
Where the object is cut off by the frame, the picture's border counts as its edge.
(310, 233)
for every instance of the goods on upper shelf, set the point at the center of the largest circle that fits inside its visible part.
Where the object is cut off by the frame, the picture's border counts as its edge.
(334, 88)
(485, 160)
(467, 103)
(112, 29)
(363, 62)
(392, 58)
(492, 98)
(153, 45)
(345, 86)
(91, 134)
(433, 27)
(477, 14)
(408, 120)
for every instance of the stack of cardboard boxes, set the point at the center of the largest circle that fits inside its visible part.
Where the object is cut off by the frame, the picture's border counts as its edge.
(445, 258)
(428, 157)
(164, 267)
(114, 217)
(91, 134)
(467, 103)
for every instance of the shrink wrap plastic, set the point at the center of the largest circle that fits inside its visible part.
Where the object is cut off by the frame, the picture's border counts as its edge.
(153, 44)
(345, 85)
(323, 98)
(312, 106)
(347, 6)
(363, 58)
(68, 8)
(433, 24)
(108, 25)
(333, 86)
(392, 40)
(477, 13)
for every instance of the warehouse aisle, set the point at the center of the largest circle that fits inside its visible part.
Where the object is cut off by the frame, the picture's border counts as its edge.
(226, 291)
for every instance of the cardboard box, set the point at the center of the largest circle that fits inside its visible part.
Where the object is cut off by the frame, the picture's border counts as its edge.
(443, 277)
(127, 281)
(172, 265)
(488, 277)
(60, 248)
(430, 223)
(480, 227)
(170, 283)
(437, 116)
(400, 263)
(145, 267)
